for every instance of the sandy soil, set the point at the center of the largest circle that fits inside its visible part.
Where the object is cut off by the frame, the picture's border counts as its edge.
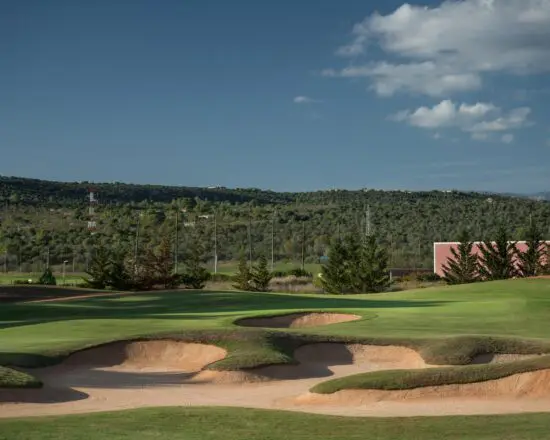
(163, 373)
(298, 320)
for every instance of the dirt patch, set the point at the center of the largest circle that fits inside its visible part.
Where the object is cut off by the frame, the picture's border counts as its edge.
(534, 385)
(298, 320)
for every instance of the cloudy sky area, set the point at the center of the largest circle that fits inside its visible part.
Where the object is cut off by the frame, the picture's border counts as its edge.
(352, 94)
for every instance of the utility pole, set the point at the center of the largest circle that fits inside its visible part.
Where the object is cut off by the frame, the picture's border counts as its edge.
(249, 239)
(273, 240)
(176, 241)
(367, 222)
(215, 243)
(136, 245)
(303, 243)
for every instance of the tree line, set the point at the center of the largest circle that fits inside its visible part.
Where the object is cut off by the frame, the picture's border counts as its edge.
(45, 223)
(498, 259)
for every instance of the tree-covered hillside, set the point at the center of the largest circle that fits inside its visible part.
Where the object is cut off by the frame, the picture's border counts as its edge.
(43, 220)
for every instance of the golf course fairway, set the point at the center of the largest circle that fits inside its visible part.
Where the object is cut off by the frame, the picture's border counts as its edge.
(471, 355)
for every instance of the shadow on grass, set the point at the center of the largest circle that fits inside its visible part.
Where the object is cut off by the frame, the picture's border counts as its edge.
(185, 305)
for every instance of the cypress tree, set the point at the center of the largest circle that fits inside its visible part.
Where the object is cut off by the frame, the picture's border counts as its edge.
(463, 266)
(530, 262)
(497, 259)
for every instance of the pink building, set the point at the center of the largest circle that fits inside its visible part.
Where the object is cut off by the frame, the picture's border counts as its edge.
(442, 251)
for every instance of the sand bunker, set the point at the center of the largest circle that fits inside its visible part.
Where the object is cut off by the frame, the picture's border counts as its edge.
(138, 374)
(323, 360)
(297, 320)
(534, 385)
(502, 358)
(163, 355)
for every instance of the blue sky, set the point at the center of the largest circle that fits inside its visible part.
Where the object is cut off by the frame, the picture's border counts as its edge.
(278, 95)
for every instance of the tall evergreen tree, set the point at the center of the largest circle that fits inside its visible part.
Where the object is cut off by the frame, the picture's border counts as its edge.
(373, 273)
(195, 274)
(99, 269)
(161, 262)
(463, 266)
(243, 278)
(546, 260)
(530, 261)
(335, 273)
(261, 276)
(497, 258)
(47, 278)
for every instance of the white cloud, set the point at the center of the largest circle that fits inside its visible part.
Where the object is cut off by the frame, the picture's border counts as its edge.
(448, 48)
(305, 100)
(480, 119)
(480, 136)
(507, 138)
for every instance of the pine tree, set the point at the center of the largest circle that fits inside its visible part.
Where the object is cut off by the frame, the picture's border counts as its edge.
(195, 275)
(243, 277)
(99, 269)
(373, 274)
(546, 260)
(497, 259)
(162, 263)
(47, 278)
(530, 262)
(260, 275)
(335, 273)
(353, 256)
(463, 266)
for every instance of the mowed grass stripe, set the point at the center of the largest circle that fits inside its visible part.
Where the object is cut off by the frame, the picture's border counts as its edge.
(251, 424)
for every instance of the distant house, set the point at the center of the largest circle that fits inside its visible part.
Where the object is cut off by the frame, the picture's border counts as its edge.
(442, 252)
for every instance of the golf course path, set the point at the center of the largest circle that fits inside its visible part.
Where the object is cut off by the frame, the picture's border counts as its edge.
(158, 373)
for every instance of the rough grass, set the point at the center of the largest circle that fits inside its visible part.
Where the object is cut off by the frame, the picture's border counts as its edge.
(252, 424)
(409, 379)
(10, 378)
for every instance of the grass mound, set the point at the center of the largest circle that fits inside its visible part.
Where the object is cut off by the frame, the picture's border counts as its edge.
(10, 378)
(410, 379)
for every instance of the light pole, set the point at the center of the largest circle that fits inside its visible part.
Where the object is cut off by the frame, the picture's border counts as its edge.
(64, 270)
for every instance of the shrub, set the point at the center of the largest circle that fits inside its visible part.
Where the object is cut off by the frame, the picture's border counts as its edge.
(47, 278)
(299, 272)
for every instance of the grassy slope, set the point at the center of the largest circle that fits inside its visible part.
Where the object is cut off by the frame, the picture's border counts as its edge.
(409, 379)
(10, 378)
(249, 424)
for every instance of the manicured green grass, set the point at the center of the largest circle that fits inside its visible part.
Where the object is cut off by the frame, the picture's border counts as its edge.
(409, 379)
(514, 308)
(70, 279)
(519, 308)
(251, 424)
(10, 378)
